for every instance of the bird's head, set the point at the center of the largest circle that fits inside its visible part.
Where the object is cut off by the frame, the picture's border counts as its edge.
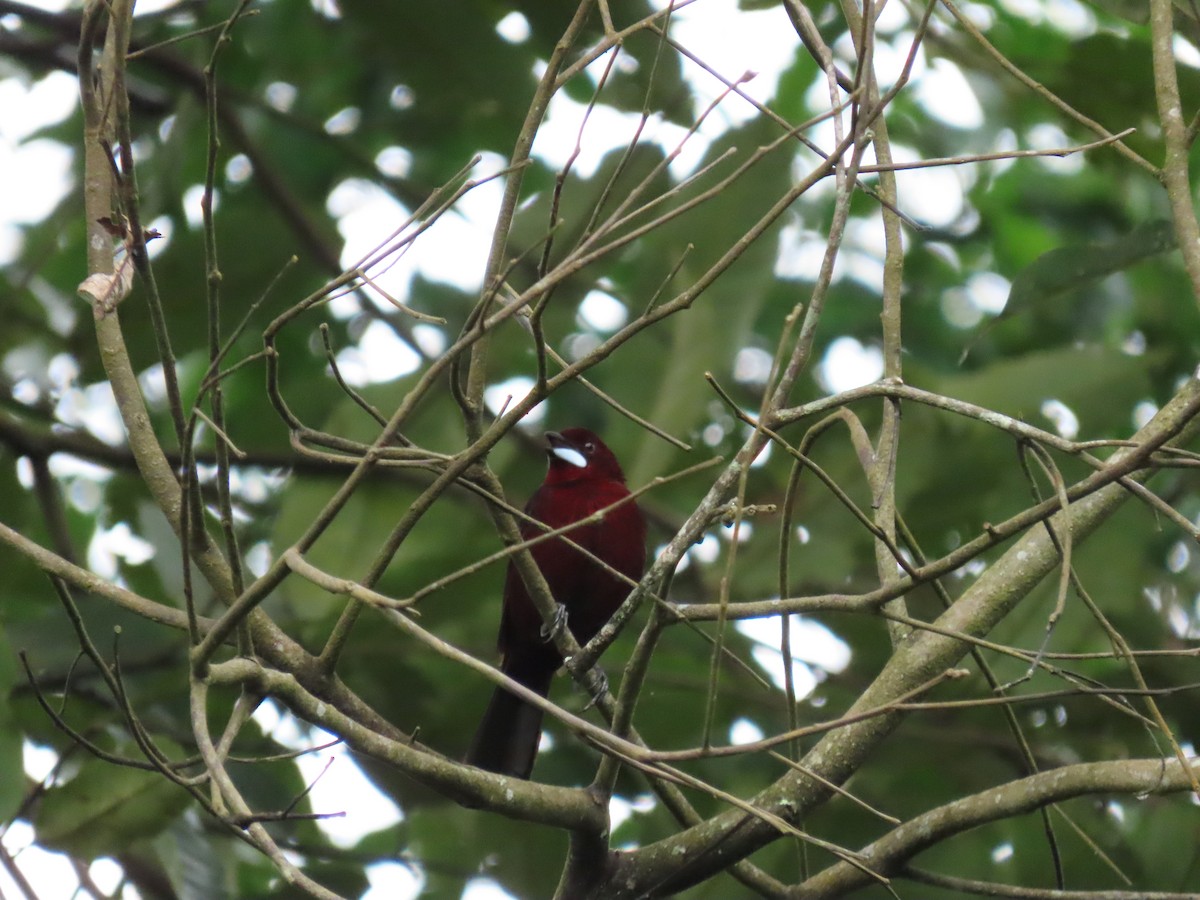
(576, 454)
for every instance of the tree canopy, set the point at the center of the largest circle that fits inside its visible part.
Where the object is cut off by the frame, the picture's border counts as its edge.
(896, 341)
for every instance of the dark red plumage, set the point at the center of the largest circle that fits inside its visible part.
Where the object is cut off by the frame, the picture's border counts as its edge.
(583, 477)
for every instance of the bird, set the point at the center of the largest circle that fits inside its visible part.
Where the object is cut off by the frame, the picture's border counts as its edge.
(583, 477)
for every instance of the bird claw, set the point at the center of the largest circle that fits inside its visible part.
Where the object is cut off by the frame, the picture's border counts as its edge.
(557, 625)
(598, 687)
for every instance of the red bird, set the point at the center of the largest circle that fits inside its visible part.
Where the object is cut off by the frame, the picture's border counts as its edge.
(584, 477)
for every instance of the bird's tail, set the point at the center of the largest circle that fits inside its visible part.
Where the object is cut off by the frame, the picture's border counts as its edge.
(507, 739)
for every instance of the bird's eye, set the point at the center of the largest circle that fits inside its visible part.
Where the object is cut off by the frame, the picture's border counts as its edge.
(589, 448)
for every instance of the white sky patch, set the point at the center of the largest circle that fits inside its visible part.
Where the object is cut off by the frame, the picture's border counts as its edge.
(946, 95)
(814, 648)
(1143, 412)
(62, 371)
(890, 58)
(745, 529)
(485, 889)
(453, 251)
(146, 7)
(41, 163)
(866, 236)
(770, 660)
(95, 409)
(848, 364)
(153, 383)
(684, 562)
(366, 216)
(350, 196)
(328, 8)
(281, 95)
(607, 129)
(1049, 136)
(1031, 10)
(107, 874)
(862, 257)
(239, 169)
(985, 293)
(619, 811)
(166, 127)
(118, 543)
(342, 787)
(85, 495)
(752, 365)
(25, 366)
(988, 292)
(256, 485)
(958, 310)
(395, 162)
(1134, 344)
(1002, 853)
(823, 134)
(379, 356)
(430, 338)
(761, 460)
(192, 211)
(49, 874)
(64, 466)
(165, 226)
(258, 558)
(980, 15)
(53, 5)
(891, 18)
(812, 642)
(1006, 141)
(603, 312)
(506, 393)
(1071, 17)
(392, 881)
(1185, 52)
(28, 108)
(12, 242)
(514, 28)
(579, 344)
(402, 97)
(706, 550)
(933, 196)
(1066, 423)
(38, 761)
(743, 731)
(344, 121)
(732, 41)
(800, 253)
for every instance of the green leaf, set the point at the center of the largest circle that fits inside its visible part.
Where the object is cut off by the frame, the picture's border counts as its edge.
(1063, 270)
(104, 808)
(198, 861)
(12, 789)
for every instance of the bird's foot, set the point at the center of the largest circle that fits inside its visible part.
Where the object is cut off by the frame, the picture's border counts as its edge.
(557, 626)
(597, 686)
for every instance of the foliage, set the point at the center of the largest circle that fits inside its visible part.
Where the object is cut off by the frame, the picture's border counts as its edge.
(998, 532)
